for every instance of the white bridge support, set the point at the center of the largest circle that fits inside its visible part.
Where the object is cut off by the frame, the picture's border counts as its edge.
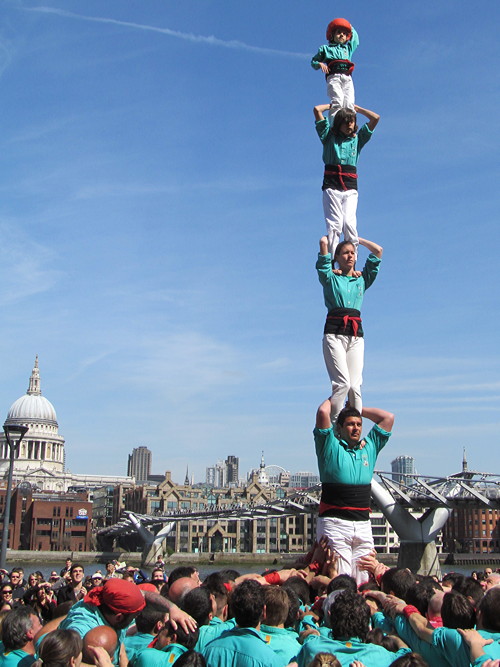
(153, 548)
(416, 536)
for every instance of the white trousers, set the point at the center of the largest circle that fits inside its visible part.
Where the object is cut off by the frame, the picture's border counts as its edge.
(351, 540)
(344, 358)
(340, 90)
(339, 207)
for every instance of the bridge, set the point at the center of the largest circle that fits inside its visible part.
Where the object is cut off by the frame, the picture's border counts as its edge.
(394, 494)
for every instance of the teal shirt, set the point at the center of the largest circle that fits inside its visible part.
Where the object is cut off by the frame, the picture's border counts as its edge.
(83, 617)
(152, 657)
(347, 651)
(341, 149)
(334, 51)
(17, 658)
(345, 291)
(451, 647)
(433, 657)
(241, 647)
(284, 642)
(207, 633)
(338, 464)
(135, 644)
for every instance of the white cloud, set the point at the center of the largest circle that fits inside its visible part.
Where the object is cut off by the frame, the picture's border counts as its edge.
(186, 36)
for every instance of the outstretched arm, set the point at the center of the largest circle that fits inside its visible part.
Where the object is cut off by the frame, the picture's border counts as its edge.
(373, 118)
(318, 111)
(382, 418)
(374, 248)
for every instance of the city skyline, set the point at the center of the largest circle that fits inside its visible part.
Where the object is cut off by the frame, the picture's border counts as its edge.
(161, 211)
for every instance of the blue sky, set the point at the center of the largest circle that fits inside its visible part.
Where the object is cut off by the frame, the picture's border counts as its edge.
(160, 210)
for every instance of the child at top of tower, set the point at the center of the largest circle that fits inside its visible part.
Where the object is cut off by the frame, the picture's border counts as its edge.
(334, 59)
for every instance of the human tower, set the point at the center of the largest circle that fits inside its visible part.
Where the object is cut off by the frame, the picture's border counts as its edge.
(346, 461)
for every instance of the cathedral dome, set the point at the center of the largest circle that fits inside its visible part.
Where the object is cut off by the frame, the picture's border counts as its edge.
(32, 407)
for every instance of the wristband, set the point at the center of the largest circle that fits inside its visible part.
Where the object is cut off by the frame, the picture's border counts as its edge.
(409, 610)
(314, 567)
(273, 578)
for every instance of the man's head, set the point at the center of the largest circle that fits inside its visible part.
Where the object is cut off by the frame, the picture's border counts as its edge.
(277, 606)
(247, 604)
(184, 571)
(151, 619)
(103, 636)
(19, 629)
(76, 573)
(180, 588)
(119, 601)
(158, 577)
(349, 616)
(215, 585)
(200, 604)
(110, 567)
(68, 563)
(397, 581)
(457, 611)
(492, 579)
(488, 615)
(348, 426)
(168, 635)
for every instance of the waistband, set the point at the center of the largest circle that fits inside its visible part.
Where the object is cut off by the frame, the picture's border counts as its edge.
(339, 66)
(344, 322)
(345, 501)
(340, 177)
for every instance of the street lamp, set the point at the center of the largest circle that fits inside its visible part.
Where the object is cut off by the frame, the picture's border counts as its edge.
(14, 434)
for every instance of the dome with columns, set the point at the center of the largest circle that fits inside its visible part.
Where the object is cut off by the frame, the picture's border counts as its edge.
(42, 447)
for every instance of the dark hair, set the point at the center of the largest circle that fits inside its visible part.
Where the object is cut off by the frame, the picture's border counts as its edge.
(198, 604)
(409, 660)
(419, 595)
(277, 605)
(186, 639)
(471, 589)
(59, 646)
(398, 581)
(349, 616)
(15, 627)
(191, 659)
(301, 587)
(343, 116)
(490, 610)
(378, 636)
(74, 566)
(342, 582)
(180, 572)
(345, 413)
(457, 611)
(294, 602)
(453, 578)
(149, 617)
(229, 575)
(247, 603)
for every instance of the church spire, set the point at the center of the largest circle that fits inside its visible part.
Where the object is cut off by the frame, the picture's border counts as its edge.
(34, 385)
(464, 462)
(186, 481)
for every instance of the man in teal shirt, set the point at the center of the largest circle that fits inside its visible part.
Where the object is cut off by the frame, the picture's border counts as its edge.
(245, 646)
(19, 629)
(346, 463)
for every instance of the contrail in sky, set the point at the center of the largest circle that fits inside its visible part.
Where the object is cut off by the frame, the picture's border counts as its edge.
(189, 37)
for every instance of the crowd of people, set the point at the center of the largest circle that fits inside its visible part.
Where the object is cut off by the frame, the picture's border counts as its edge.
(307, 616)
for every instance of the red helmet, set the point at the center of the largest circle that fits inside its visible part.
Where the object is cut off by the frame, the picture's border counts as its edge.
(338, 23)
